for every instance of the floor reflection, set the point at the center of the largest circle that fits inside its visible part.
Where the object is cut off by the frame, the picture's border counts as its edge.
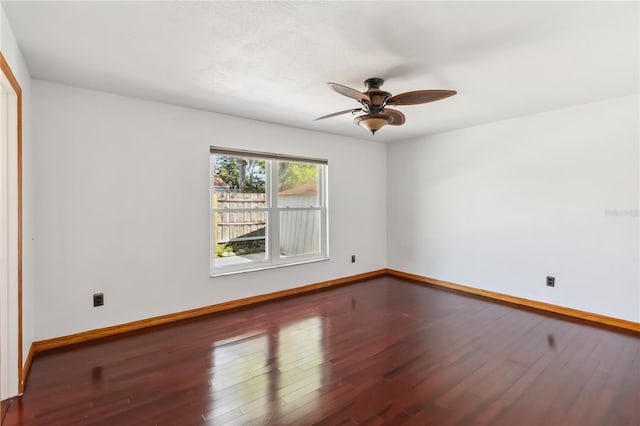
(259, 374)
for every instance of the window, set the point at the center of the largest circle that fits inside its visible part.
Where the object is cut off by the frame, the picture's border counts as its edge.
(267, 210)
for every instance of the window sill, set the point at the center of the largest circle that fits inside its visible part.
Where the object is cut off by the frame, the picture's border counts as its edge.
(263, 268)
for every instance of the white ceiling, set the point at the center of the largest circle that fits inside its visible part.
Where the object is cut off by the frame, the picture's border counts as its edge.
(269, 61)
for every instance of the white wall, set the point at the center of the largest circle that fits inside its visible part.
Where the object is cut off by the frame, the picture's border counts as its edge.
(123, 207)
(12, 54)
(501, 206)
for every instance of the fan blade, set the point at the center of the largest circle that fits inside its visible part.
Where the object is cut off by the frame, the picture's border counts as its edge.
(349, 92)
(419, 97)
(397, 118)
(338, 113)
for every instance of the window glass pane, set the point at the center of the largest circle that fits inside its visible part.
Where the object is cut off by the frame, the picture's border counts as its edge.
(299, 232)
(240, 237)
(238, 174)
(298, 184)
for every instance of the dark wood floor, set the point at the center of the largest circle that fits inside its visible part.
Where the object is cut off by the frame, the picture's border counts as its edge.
(377, 352)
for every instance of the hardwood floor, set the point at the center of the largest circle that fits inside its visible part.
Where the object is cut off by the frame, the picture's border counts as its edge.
(381, 351)
(4, 406)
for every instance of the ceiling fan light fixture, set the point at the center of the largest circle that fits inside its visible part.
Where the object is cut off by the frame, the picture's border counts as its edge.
(374, 103)
(373, 122)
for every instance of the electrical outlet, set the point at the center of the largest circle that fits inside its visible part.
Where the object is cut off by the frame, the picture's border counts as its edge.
(551, 281)
(98, 299)
(353, 258)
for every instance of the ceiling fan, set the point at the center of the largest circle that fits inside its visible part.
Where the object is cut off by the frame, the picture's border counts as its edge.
(375, 101)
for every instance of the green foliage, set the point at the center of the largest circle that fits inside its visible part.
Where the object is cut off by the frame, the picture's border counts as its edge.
(225, 168)
(292, 175)
(249, 175)
(248, 247)
(241, 174)
(223, 248)
(240, 248)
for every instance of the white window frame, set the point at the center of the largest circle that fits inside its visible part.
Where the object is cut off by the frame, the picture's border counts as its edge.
(272, 227)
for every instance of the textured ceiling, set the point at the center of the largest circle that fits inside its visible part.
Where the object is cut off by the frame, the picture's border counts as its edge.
(269, 61)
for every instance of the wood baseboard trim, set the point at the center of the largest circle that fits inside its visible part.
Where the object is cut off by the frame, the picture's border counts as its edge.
(85, 336)
(26, 368)
(570, 312)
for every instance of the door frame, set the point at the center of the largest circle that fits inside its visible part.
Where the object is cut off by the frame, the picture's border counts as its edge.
(8, 74)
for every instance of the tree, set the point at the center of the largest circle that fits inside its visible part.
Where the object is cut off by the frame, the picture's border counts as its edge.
(249, 175)
(292, 175)
(241, 174)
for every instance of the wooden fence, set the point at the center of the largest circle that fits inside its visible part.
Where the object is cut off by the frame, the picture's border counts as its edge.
(239, 225)
(299, 230)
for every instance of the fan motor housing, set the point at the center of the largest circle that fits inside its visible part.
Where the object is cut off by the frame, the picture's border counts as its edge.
(378, 97)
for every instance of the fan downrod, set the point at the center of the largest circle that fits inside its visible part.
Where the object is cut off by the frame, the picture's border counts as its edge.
(373, 83)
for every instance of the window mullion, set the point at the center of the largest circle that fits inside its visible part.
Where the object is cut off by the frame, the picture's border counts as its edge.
(324, 220)
(273, 225)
